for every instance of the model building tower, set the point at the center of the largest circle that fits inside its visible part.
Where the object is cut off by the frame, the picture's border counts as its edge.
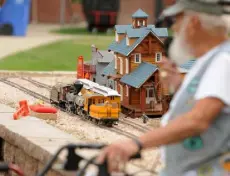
(138, 49)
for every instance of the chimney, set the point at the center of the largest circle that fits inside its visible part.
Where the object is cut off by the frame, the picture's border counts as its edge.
(93, 48)
(94, 55)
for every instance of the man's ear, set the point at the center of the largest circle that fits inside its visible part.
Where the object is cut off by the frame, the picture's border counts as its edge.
(193, 25)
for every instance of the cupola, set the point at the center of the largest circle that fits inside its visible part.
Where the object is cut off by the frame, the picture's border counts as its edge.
(140, 19)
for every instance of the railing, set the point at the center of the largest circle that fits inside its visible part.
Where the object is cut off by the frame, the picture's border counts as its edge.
(88, 68)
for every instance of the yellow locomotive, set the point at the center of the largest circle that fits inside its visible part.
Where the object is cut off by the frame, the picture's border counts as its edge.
(89, 100)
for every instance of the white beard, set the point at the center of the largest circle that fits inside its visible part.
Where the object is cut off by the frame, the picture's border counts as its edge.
(179, 51)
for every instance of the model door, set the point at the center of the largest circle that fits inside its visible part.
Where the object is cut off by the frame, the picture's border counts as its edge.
(150, 95)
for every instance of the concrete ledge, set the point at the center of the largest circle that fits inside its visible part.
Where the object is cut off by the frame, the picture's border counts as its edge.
(30, 142)
(37, 73)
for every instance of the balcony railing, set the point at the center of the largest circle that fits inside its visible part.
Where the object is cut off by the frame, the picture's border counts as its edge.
(88, 68)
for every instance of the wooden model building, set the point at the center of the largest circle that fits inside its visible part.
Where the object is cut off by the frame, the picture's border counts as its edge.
(138, 49)
(135, 58)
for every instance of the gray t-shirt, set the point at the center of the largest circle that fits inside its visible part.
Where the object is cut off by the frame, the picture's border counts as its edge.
(214, 83)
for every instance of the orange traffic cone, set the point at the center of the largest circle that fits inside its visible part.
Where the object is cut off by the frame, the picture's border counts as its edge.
(22, 111)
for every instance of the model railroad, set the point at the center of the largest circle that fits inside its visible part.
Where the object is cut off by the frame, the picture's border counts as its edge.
(38, 84)
(47, 100)
(25, 90)
(124, 121)
(134, 125)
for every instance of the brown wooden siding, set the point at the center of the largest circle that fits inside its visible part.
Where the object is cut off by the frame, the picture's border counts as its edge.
(119, 65)
(148, 49)
(126, 98)
(135, 98)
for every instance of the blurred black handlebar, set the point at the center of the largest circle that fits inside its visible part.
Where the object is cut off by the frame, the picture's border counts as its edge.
(72, 161)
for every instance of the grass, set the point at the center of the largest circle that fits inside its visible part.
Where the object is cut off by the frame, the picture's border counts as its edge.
(58, 56)
(79, 31)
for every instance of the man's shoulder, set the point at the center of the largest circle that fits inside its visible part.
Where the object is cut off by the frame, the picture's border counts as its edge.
(221, 58)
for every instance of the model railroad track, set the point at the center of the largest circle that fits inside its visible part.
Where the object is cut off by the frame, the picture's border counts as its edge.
(25, 90)
(45, 99)
(134, 125)
(38, 84)
(124, 121)
(113, 129)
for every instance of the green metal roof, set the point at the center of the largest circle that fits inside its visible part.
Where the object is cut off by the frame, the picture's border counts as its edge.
(140, 14)
(109, 69)
(124, 49)
(140, 75)
(138, 32)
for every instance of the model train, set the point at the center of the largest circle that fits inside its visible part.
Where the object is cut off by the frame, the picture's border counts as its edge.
(88, 100)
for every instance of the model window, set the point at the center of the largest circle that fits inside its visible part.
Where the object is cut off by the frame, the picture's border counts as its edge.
(141, 23)
(121, 92)
(137, 58)
(115, 85)
(121, 66)
(127, 90)
(127, 65)
(117, 37)
(127, 40)
(158, 57)
(115, 61)
(151, 93)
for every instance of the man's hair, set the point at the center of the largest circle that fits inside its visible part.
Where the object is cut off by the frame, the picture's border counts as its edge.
(210, 22)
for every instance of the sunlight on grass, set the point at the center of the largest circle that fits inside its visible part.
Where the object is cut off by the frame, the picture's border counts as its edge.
(58, 56)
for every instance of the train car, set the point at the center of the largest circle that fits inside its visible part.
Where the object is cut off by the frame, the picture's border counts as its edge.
(101, 103)
(58, 94)
(88, 100)
(101, 14)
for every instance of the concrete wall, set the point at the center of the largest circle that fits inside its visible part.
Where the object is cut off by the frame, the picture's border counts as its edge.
(30, 142)
(31, 166)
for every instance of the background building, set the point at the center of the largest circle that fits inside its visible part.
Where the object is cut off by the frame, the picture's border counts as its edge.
(51, 11)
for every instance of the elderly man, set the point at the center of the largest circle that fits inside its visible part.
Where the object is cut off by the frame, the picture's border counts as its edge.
(195, 132)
